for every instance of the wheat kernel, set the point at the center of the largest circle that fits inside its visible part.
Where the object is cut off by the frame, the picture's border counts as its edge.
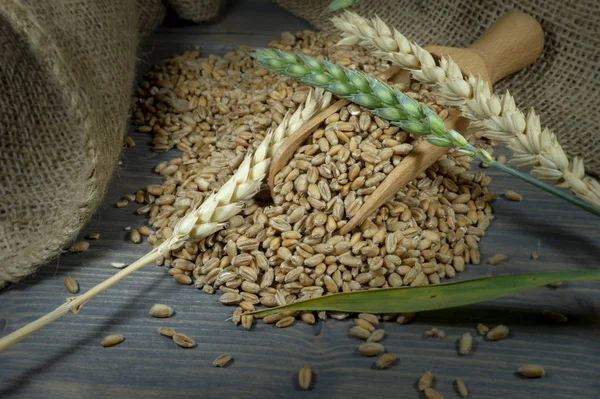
(359, 332)
(161, 311)
(482, 329)
(431, 393)
(532, 371)
(223, 360)
(71, 285)
(134, 236)
(183, 340)
(80, 246)
(285, 322)
(465, 344)
(385, 361)
(305, 377)
(461, 387)
(376, 335)
(183, 279)
(364, 324)
(497, 259)
(512, 195)
(497, 333)
(371, 349)
(425, 381)
(166, 331)
(112, 340)
(371, 318)
(121, 204)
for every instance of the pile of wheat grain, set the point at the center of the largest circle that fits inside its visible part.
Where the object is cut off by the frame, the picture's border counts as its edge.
(282, 249)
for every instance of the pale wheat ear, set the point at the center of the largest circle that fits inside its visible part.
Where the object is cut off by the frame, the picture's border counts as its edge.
(203, 220)
(495, 117)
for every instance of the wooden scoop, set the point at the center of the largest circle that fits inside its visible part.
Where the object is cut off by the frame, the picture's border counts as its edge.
(513, 42)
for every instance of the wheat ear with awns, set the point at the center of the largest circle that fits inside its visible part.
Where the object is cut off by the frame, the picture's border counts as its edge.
(494, 117)
(389, 103)
(202, 220)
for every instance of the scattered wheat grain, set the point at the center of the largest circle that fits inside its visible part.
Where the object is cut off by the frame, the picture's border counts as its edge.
(364, 324)
(465, 344)
(371, 349)
(431, 393)
(247, 321)
(305, 377)
(166, 331)
(80, 246)
(161, 311)
(285, 322)
(135, 236)
(461, 388)
(112, 340)
(183, 340)
(385, 361)
(482, 329)
(129, 142)
(497, 259)
(371, 318)
(376, 335)
(532, 371)
(183, 279)
(497, 333)
(512, 195)
(71, 285)
(425, 381)
(359, 332)
(223, 360)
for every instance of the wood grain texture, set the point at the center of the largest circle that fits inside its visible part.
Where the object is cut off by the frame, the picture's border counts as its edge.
(65, 360)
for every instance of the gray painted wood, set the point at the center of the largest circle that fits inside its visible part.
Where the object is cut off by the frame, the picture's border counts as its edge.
(65, 359)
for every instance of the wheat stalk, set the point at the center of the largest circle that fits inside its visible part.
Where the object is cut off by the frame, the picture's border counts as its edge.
(495, 117)
(202, 220)
(389, 103)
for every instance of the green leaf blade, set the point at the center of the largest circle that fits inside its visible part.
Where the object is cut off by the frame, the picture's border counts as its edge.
(431, 297)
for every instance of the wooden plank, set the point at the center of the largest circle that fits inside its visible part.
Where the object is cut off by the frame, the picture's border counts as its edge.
(65, 360)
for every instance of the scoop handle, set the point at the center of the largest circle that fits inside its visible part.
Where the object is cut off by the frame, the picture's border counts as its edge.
(510, 44)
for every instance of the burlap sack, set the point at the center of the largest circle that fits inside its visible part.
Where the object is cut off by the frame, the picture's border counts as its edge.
(152, 13)
(197, 10)
(66, 76)
(563, 85)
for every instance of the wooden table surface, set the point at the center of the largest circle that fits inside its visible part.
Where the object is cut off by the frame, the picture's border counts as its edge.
(65, 360)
